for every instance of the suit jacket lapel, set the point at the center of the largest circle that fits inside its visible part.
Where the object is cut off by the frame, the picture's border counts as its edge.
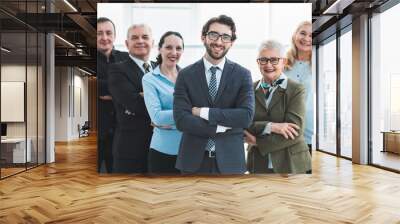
(134, 73)
(228, 67)
(277, 97)
(260, 96)
(203, 81)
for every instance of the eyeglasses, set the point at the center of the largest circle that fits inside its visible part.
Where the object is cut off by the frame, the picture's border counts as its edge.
(214, 36)
(264, 60)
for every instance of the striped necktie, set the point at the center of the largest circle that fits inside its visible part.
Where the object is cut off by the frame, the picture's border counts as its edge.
(212, 90)
(146, 67)
(212, 86)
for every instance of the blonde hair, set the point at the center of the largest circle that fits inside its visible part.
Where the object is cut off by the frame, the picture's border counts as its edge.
(291, 55)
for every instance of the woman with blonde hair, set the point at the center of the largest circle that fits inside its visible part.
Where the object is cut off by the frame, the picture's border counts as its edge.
(298, 68)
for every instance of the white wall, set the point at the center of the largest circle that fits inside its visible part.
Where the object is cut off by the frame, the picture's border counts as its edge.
(61, 103)
(17, 73)
(255, 22)
(71, 94)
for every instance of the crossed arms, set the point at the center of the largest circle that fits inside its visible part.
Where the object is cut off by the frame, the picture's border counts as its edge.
(238, 117)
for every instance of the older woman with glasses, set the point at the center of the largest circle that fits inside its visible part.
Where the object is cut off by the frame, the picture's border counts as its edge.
(276, 141)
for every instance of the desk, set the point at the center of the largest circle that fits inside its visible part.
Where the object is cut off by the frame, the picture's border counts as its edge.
(13, 150)
(391, 141)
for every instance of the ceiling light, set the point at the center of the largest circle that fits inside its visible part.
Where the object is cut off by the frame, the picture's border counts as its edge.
(5, 50)
(64, 40)
(70, 5)
(338, 6)
(86, 72)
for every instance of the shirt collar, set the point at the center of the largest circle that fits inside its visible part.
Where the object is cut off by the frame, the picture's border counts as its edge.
(157, 71)
(139, 62)
(208, 65)
(283, 85)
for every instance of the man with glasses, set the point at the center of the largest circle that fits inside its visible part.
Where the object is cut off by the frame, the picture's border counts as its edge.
(106, 55)
(213, 103)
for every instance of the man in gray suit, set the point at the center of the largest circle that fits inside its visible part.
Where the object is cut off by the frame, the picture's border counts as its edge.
(213, 102)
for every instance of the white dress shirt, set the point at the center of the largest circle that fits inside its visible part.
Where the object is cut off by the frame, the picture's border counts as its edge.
(204, 111)
(140, 63)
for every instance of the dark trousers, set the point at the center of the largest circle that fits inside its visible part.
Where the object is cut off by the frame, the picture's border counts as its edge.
(161, 163)
(105, 135)
(257, 163)
(310, 149)
(130, 151)
(208, 166)
(129, 166)
(104, 151)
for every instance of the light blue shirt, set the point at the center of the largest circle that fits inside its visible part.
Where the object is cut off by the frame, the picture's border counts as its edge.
(301, 72)
(158, 93)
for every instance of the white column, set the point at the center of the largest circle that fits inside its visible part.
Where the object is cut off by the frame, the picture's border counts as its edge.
(50, 100)
(360, 90)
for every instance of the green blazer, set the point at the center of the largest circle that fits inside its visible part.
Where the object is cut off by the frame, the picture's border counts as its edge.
(287, 155)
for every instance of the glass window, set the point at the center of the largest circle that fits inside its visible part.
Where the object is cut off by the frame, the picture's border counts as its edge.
(327, 97)
(31, 101)
(13, 86)
(346, 94)
(22, 93)
(385, 84)
(270, 22)
(41, 82)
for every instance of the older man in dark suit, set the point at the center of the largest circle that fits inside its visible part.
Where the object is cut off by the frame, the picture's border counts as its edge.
(213, 102)
(133, 130)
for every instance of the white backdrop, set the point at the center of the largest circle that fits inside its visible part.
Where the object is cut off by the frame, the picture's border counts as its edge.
(255, 22)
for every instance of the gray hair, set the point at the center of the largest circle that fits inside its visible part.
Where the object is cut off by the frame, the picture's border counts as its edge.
(136, 26)
(273, 45)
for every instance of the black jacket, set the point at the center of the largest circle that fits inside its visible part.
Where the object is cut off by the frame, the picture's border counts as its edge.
(106, 120)
(125, 84)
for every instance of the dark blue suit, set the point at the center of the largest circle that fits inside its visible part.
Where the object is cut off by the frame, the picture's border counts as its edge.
(232, 107)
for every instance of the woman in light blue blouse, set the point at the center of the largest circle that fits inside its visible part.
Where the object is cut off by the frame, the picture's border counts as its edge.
(158, 89)
(298, 68)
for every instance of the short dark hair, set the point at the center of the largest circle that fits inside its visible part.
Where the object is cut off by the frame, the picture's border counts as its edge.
(104, 20)
(223, 19)
(162, 40)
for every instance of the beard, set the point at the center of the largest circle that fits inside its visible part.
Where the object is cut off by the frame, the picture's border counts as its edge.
(212, 55)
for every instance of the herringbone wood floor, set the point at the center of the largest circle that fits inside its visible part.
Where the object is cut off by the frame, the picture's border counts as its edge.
(70, 191)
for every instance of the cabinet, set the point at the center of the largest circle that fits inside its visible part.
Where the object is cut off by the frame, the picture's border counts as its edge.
(13, 150)
(391, 141)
